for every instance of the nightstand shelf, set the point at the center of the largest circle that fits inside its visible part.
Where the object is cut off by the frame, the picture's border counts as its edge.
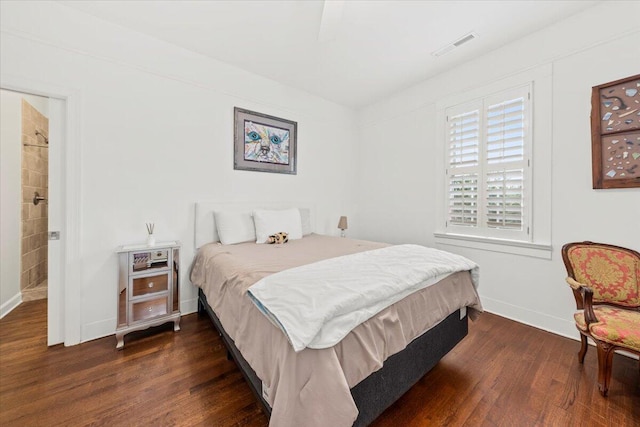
(148, 287)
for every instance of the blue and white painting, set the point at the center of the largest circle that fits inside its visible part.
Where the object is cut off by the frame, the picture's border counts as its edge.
(266, 144)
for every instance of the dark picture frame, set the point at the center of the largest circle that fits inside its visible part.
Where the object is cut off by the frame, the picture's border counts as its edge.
(615, 133)
(264, 143)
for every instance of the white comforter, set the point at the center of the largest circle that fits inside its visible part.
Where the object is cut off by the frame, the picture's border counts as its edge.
(317, 305)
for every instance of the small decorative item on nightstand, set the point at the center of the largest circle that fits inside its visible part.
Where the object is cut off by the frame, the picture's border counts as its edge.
(148, 288)
(342, 225)
(151, 239)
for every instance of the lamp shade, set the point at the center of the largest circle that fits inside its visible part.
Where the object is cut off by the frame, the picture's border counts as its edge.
(342, 224)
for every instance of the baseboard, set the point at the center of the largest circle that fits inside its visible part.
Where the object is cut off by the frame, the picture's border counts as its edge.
(552, 324)
(8, 306)
(189, 306)
(99, 329)
(555, 325)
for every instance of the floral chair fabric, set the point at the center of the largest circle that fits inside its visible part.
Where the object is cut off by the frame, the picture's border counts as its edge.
(618, 327)
(611, 274)
(606, 284)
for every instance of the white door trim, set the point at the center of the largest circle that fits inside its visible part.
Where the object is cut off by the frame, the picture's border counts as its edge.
(68, 306)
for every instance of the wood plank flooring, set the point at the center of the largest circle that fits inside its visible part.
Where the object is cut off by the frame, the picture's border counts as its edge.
(503, 374)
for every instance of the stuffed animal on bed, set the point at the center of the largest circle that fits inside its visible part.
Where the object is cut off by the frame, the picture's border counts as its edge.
(278, 238)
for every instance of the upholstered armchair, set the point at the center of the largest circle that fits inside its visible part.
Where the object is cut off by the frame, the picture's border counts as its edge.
(605, 280)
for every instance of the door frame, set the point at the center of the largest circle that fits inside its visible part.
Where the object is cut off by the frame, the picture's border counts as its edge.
(67, 290)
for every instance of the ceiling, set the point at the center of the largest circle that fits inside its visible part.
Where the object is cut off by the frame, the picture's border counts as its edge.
(368, 50)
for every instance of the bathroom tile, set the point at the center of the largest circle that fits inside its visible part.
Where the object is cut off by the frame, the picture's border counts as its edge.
(30, 226)
(25, 211)
(34, 242)
(34, 179)
(24, 245)
(27, 193)
(26, 262)
(33, 212)
(35, 163)
(24, 279)
(41, 225)
(42, 252)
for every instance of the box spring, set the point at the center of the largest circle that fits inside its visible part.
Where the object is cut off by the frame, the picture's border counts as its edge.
(382, 388)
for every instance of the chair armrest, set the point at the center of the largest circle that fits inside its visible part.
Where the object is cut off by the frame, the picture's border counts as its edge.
(587, 297)
(574, 284)
(577, 295)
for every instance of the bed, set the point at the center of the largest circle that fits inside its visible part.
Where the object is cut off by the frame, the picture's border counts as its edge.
(350, 383)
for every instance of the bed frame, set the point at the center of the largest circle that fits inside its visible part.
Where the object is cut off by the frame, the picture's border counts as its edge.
(381, 389)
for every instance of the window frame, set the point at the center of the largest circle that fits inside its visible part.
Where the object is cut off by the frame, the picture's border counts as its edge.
(483, 167)
(477, 86)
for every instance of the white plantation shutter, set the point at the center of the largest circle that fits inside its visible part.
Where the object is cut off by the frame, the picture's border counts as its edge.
(504, 199)
(464, 159)
(505, 131)
(488, 179)
(504, 171)
(464, 139)
(463, 199)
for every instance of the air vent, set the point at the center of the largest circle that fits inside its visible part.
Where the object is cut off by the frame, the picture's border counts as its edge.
(465, 39)
(462, 40)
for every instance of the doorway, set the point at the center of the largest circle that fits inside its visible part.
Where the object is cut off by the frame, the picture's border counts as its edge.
(26, 165)
(35, 189)
(64, 207)
(25, 183)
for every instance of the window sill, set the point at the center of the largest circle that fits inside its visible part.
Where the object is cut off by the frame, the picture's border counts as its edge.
(513, 247)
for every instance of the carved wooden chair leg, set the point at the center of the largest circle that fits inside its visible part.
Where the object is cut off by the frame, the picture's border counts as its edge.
(583, 348)
(605, 360)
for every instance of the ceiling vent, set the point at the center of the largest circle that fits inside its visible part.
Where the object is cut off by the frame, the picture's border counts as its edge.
(462, 40)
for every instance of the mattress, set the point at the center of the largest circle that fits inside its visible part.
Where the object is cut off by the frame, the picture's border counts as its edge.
(300, 387)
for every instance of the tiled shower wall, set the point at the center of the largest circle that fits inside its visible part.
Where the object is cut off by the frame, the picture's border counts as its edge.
(35, 167)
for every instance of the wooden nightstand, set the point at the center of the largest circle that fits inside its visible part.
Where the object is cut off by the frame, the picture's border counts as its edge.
(148, 287)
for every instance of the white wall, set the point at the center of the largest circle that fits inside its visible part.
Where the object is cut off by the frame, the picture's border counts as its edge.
(40, 103)
(156, 131)
(398, 137)
(10, 199)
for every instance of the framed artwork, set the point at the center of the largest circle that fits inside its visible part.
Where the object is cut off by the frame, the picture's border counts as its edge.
(615, 134)
(264, 143)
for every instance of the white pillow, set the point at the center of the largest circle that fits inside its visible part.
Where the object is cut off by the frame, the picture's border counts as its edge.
(269, 222)
(234, 227)
(305, 217)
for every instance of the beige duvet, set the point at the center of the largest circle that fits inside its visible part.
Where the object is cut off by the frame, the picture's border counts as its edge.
(311, 388)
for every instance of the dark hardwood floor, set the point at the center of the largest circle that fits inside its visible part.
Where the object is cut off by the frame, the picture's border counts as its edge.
(503, 374)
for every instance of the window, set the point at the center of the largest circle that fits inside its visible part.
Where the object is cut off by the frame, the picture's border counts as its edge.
(488, 185)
